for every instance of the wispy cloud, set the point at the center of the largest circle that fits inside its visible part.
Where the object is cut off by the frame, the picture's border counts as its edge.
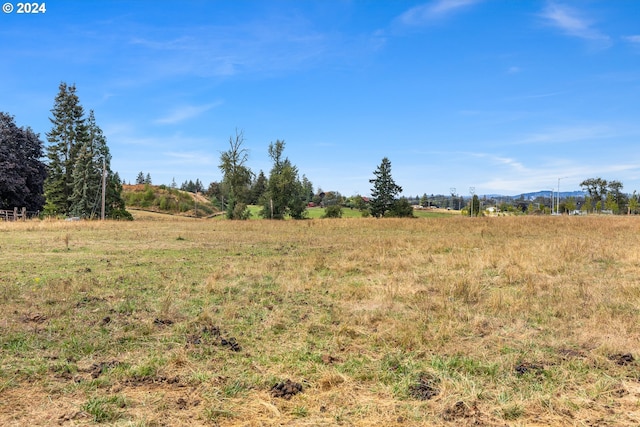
(570, 134)
(189, 158)
(432, 11)
(635, 39)
(573, 23)
(514, 70)
(185, 112)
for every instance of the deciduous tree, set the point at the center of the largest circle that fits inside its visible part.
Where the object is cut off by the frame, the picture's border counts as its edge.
(236, 176)
(285, 193)
(22, 172)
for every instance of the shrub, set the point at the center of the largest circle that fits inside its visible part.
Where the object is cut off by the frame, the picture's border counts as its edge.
(401, 209)
(240, 211)
(333, 211)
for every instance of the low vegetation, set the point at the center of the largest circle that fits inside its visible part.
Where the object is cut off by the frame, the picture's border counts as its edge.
(167, 200)
(356, 321)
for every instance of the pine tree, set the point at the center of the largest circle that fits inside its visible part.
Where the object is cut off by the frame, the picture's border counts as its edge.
(92, 157)
(384, 191)
(258, 188)
(140, 178)
(65, 141)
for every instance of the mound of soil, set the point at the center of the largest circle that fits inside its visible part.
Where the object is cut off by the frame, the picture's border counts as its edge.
(425, 388)
(622, 359)
(459, 410)
(286, 389)
(216, 334)
(529, 368)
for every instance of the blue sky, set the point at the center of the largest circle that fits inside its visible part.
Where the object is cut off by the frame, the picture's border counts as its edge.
(501, 95)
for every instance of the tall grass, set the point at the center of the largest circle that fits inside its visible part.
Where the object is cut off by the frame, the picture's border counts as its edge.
(508, 320)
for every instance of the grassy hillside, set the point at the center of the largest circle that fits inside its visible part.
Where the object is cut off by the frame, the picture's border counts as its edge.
(167, 200)
(357, 322)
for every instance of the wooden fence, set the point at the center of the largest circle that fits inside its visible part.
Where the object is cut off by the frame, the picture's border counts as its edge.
(17, 214)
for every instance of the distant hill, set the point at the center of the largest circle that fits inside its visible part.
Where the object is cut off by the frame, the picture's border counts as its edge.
(162, 199)
(535, 194)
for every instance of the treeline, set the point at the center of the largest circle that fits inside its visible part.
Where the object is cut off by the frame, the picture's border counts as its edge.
(76, 179)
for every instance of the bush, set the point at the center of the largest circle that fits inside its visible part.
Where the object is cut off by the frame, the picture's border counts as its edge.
(121, 214)
(333, 211)
(240, 211)
(401, 209)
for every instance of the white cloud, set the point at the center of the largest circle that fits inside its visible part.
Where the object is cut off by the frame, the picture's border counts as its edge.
(189, 158)
(569, 134)
(572, 23)
(432, 11)
(632, 39)
(185, 112)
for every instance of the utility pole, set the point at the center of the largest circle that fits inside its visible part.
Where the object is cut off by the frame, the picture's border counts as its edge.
(558, 204)
(453, 195)
(472, 191)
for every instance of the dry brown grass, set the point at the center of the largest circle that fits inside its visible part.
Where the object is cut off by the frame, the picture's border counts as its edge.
(509, 320)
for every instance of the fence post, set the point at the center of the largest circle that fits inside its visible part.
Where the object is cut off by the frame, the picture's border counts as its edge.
(15, 214)
(24, 213)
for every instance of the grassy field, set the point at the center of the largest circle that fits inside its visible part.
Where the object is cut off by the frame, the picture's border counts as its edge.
(433, 321)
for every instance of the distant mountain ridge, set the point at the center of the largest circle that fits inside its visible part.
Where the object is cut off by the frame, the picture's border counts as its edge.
(536, 194)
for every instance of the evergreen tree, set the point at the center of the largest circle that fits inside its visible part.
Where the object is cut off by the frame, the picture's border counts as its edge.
(23, 172)
(401, 208)
(65, 141)
(147, 179)
(475, 205)
(92, 163)
(114, 203)
(140, 178)
(258, 188)
(87, 173)
(307, 188)
(384, 191)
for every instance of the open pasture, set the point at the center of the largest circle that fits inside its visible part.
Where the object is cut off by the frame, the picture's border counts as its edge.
(430, 321)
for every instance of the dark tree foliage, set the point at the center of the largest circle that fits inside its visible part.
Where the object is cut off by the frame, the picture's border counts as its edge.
(307, 188)
(192, 187)
(140, 178)
(384, 191)
(596, 188)
(258, 188)
(605, 193)
(401, 208)
(475, 205)
(22, 172)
